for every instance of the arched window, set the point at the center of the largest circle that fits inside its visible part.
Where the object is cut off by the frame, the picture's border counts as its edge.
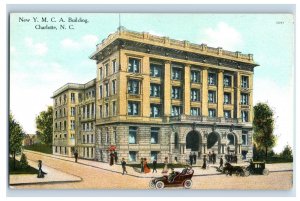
(176, 141)
(230, 139)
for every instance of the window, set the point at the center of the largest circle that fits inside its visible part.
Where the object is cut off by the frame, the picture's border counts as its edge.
(59, 125)
(154, 155)
(114, 66)
(195, 95)
(195, 76)
(227, 114)
(132, 156)
(65, 98)
(107, 89)
(211, 112)
(227, 98)
(106, 70)
(106, 110)
(87, 127)
(114, 87)
(195, 111)
(176, 110)
(100, 73)
(212, 79)
(64, 112)
(115, 134)
(92, 126)
(106, 135)
(154, 135)
(56, 102)
(176, 73)
(244, 116)
(55, 126)
(134, 65)
(212, 97)
(73, 97)
(133, 108)
(133, 86)
(176, 141)
(245, 82)
(132, 135)
(114, 105)
(60, 113)
(154, 90)
(176, 92)
(60, 100)
(56, 114)
(72, 111)
(65, 125)
(93, 93)
(100, 111)
(88, 110)
(227, 81)
(87, 138)
(155, 110)
(244, 99)
(100, 91)
(72, 125)
(155, 70)
(230, 139)
(93, 109)
(244, 137)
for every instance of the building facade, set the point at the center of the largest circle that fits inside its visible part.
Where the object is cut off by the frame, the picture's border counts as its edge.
(73, 120)
(158, 97)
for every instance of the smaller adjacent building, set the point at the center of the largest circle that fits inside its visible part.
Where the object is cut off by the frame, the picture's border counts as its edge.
(30, 139)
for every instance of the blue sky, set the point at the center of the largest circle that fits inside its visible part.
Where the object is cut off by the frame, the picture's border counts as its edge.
(43, 60)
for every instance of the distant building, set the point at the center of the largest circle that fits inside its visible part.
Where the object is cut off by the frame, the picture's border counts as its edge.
(157, 97)
(30, 139)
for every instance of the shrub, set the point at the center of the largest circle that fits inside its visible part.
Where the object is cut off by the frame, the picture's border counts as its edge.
(23, 162)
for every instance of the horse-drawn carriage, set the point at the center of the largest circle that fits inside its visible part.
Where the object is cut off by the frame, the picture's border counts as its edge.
(245, 171)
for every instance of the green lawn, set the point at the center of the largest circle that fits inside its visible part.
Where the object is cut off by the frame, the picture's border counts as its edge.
(18, 170)
(47, 149)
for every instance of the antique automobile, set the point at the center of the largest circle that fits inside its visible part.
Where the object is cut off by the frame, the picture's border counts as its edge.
(257, 168)
(183, 178)
(237, 170)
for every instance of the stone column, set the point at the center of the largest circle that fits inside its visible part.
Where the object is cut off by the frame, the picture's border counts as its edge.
(187, 90)
(145, 105)
(122, 85)
(204, 97)
(251, 97)
(167, 88)
(220, 94)
(237, 94)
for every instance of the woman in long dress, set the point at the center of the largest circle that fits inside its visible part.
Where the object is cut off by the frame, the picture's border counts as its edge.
(165, 170)
(146, 167)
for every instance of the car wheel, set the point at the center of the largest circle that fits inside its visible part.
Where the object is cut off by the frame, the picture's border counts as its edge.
(152, 184)
(265, 172)
(246, 173)
(159, 185)
(188, 184)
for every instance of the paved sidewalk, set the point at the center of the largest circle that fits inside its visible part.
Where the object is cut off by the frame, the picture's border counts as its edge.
(52, 176)
(131, 172)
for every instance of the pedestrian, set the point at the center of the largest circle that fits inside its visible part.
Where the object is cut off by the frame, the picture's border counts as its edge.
(146, 167)
(41, 173)
(154, 163)
(76, 155)
(195, 158)
(191, 158)
(204, 162)
(142, 165)
(111, 161)
(221, 162)
(236, 158)
(165, 170)
(116, 157)
(209, 157)
(123, 163)
(213, 157)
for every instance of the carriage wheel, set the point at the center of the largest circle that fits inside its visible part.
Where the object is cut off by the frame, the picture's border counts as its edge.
(159, 185)
(152, 184)
(265, 171)
(188, 184)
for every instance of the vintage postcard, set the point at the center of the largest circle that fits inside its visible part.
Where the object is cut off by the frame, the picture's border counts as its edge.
(151, 101)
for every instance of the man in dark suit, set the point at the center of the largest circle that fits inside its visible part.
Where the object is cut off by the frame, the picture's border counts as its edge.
(154, 163)
(195, 158)
(191, 158)
(123, 163)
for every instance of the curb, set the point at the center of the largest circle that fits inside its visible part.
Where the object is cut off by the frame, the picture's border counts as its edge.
(46, 182)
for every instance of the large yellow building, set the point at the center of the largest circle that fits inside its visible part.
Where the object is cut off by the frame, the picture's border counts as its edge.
(158, 97)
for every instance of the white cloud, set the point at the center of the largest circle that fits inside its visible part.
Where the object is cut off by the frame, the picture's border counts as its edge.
(223, 35)
(84, 42)
(281, 101)
(39, 49)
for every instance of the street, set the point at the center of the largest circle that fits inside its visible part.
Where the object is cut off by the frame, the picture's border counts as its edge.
(95, 178)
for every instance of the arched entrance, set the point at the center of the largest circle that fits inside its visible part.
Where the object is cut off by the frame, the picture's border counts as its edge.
(193, 141)
(213, 142)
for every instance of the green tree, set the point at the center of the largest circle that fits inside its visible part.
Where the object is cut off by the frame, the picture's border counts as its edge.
(23, 161)
(263, 124)
(44, 124)
(16, 136)
(287, 152)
